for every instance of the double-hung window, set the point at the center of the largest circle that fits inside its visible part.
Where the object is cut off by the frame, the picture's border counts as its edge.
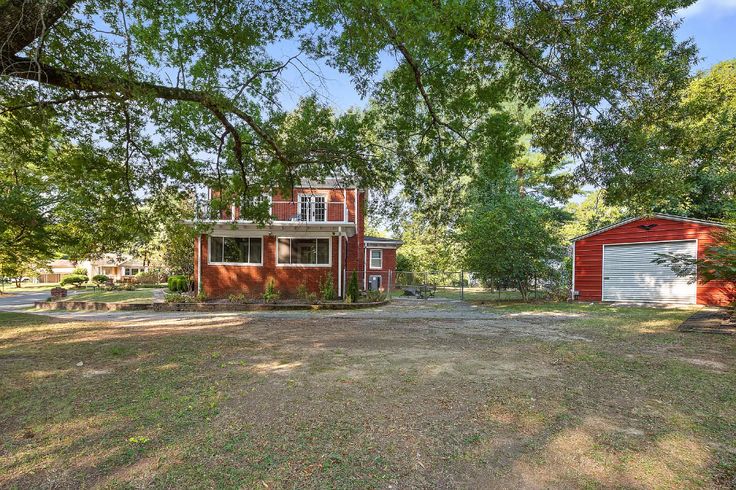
(303, 251)
(376, 259)
(236, 250)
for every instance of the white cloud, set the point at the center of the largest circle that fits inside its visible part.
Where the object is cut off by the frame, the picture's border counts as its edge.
(711, 8)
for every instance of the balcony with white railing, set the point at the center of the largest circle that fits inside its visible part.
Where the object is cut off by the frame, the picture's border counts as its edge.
(307, 211)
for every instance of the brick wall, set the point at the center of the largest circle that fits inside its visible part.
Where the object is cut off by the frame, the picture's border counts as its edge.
(220, 280)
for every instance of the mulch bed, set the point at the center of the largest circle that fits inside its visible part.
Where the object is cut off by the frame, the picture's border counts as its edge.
(710, 320)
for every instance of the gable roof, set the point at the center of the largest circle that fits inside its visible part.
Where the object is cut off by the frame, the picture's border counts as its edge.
(671, 217)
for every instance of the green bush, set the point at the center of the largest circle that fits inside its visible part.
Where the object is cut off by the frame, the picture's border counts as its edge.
(178, 298)
(178, 284)
(150, 277)
(327, 287)
(239, 298)
(353, 291)
(74, 279)
(79, 271)
(301, 291)
(270, 294)
(375, 296)
(100, 279)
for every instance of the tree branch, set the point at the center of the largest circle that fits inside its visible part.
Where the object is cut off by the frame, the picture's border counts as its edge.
(24, 21)
(218, 104)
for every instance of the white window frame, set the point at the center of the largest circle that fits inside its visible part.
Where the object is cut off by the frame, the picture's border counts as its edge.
(329, 241)
(209, 251)
(309, 196)
(370, 260)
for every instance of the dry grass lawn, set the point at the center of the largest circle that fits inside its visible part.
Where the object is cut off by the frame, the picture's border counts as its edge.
(614, 398)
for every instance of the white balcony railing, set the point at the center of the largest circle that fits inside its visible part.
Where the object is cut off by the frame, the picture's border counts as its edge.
(307, 211)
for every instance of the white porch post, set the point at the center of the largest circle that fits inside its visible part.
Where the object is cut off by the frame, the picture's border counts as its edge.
(339, 261)
(199, 264)
(365, 267)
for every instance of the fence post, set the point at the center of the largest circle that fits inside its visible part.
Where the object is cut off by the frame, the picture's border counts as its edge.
(389, 284)
(462, 285)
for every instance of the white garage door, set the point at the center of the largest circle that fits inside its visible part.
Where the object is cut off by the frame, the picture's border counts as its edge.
(630, 275)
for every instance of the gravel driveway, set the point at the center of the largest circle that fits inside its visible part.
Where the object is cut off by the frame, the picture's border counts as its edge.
(431, 316)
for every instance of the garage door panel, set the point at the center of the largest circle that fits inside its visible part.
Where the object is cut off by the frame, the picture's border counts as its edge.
(630, 275)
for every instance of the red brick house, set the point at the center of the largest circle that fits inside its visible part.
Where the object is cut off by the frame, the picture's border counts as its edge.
(317, 231)
(615, 263)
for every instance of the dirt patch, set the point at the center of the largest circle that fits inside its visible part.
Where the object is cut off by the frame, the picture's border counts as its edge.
(483, 399)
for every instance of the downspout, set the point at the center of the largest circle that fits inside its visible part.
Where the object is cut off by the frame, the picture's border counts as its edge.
(339, 261)
(365, 267)
(199, 264)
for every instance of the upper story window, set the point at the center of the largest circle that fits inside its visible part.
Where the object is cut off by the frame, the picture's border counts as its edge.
(303, 251)
(232, 250)
(312, 207)
(376, 259)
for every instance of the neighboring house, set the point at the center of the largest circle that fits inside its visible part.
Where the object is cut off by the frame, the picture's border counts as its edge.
(316, 233)
(615, 263)
(116, 267)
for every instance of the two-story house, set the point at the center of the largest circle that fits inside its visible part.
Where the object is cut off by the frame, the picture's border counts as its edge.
(315, 232)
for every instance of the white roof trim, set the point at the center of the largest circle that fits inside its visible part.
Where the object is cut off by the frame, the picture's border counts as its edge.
(671, 217)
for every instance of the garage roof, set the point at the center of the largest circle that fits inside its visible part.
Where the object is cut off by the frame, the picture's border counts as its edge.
(654, 215)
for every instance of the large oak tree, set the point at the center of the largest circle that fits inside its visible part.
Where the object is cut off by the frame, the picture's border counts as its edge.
(188, 92)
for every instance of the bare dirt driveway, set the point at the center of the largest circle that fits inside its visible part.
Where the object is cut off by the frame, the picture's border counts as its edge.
(432, 395)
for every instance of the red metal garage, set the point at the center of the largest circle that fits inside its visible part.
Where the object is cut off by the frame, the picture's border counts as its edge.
(615, 262)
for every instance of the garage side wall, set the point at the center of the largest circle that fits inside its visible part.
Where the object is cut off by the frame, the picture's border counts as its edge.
(589, 255)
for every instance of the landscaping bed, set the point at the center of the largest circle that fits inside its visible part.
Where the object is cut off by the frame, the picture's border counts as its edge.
(73, 304)
(223, 306)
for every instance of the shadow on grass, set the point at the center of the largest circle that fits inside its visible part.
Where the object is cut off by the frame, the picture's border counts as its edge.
(245, 402)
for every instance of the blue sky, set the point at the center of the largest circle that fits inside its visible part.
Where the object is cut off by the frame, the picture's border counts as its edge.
(711, 23)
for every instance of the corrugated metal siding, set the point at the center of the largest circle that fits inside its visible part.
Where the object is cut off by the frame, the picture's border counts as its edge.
(589, 255)
(630, 275)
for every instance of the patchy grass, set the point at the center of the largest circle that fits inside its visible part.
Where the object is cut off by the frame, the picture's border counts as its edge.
(479, 294)
(567, 396)
(137, 296)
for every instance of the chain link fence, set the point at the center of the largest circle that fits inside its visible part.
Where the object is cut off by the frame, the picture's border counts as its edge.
(454, 285)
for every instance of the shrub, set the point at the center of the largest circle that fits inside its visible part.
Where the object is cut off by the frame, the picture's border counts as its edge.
(100, 279)
(201, 297)
(270, 294)
(127, 287)
(150, 277)
(301, 291)
(178, 298)
(79, 271)
(75, 279)
(375, 296)
(327, 287)
(353, 291)
(178, 284)
(240, 298)
(311, 298)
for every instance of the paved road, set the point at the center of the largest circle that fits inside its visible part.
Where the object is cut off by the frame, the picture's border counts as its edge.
(21, 300)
